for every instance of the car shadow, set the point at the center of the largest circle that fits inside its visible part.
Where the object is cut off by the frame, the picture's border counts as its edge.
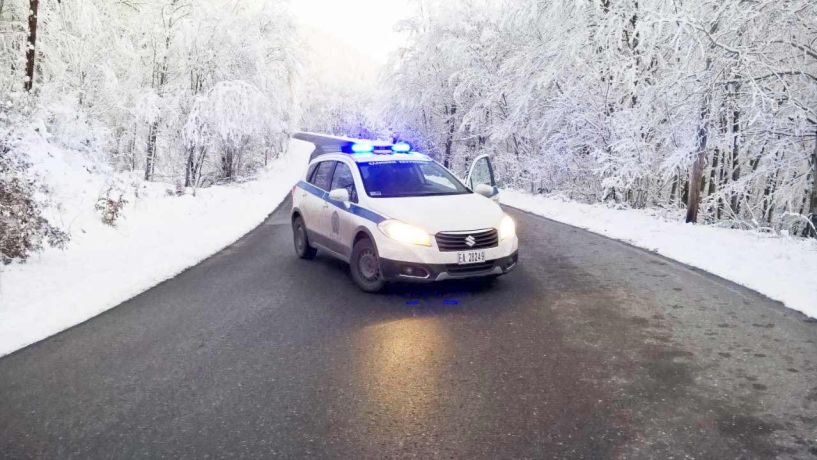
(414, 298)
(440, 288)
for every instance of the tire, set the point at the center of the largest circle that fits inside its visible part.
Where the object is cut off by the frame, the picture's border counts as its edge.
(365, 266)
(301, 240)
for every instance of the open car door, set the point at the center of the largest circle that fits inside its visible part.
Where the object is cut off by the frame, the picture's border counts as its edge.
(481, 175)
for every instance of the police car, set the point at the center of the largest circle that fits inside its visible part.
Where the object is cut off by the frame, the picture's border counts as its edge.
(396, 215)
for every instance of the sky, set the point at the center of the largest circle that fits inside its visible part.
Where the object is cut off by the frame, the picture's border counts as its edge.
(365, 25)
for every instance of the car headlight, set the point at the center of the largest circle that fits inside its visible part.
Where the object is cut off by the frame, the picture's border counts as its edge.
(405, 233)
(507, 228)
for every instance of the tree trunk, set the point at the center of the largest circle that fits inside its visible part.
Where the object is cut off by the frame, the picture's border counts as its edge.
(150, 157)
(812, 231)
(34, 6)
(694, 195)
(735, 199)
(722, 181)
(227, 164)
(696, 175)
(674, 189)
(190, 167)
(449, 141)
(768, 197)
(197, 172)
(714, 172)
(132, 150)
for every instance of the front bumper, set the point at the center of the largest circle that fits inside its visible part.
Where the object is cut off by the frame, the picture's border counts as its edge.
(395, 270)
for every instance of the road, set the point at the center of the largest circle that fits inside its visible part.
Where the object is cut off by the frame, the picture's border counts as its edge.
(591, 349)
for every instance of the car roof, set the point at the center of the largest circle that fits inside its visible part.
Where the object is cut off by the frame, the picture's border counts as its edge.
(374, 157)
(329, 147)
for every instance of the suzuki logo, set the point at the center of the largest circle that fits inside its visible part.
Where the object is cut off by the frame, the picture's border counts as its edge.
(470, 241)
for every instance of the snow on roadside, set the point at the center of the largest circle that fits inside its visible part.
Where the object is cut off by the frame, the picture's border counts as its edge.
(159, 237)
(782, 268)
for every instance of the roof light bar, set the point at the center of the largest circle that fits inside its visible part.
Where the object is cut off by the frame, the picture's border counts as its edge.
(401, 147)
(362, 147)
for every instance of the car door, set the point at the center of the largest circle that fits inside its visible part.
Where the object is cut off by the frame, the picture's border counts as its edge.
(482, 172)
(341, 222)
(317, 206)
(302, 198)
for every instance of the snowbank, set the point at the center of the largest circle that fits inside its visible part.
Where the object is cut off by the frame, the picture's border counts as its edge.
(781, 268)
(159, 236)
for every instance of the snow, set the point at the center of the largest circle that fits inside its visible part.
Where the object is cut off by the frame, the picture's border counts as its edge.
(162, 234)
(159, 236)
(782, 268)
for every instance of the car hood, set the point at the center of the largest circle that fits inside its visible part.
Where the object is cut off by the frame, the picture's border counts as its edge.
(442, 213)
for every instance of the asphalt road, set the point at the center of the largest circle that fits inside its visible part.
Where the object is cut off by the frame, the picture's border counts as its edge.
(591, 349)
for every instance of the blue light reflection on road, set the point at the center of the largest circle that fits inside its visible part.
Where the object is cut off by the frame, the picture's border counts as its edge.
(445, 301)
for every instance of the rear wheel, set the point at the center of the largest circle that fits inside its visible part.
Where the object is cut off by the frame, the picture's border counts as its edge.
(302, 247)
(365, 266)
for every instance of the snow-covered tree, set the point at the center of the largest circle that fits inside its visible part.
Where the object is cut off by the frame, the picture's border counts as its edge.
(169, 90)
(703, 105)
(131, 72)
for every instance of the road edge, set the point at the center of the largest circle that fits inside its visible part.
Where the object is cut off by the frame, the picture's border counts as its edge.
(726, 283)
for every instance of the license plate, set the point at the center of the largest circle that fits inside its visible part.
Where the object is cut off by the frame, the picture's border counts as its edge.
(470, 257)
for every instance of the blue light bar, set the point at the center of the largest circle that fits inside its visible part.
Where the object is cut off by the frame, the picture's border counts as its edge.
(401, 147)
(362, 147)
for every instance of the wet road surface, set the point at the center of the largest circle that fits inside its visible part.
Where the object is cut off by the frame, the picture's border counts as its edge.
(591, 349)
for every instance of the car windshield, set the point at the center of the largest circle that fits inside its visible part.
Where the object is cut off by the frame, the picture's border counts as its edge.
(403, 178)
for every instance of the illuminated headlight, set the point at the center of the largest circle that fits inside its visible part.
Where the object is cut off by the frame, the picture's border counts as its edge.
(507, 228)
(405, 233)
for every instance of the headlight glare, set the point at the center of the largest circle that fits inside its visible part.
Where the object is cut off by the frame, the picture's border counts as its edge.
(405, 233)
(507, 228)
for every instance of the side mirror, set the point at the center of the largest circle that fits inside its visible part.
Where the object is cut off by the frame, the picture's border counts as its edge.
(339, 194)
(486, 190)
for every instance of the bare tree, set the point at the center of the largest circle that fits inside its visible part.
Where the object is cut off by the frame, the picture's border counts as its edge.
(696, 173)
(812, 229)
(34, 6)
(171, 16)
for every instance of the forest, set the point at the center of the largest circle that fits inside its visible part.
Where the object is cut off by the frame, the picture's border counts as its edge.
(702, 109)
(190, 93)
(705, 107)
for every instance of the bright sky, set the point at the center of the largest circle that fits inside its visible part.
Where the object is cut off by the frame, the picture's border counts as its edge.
(367, 25)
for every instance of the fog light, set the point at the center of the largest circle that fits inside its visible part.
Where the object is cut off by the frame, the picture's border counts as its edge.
(414, 271)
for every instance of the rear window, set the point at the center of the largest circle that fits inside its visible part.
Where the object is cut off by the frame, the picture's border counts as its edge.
(405, 178)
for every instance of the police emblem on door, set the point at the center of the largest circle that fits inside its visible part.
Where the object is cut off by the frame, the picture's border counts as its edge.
(470, 241)
(335, 223)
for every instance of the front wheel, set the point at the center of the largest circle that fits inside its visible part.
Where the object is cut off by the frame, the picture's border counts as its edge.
(302, 247)
(365, 266)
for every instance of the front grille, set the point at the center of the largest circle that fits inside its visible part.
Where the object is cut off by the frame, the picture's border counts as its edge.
(459, 241)
(471, 269)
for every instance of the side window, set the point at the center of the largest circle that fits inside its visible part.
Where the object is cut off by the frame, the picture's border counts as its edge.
(482, 173)
(311, 172)
(343, 178)
(322, 175)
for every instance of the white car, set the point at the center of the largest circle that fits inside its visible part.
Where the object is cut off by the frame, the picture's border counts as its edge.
(397, 215)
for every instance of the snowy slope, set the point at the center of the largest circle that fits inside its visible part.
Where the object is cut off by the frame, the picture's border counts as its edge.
(781, 268)
(159, 236)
